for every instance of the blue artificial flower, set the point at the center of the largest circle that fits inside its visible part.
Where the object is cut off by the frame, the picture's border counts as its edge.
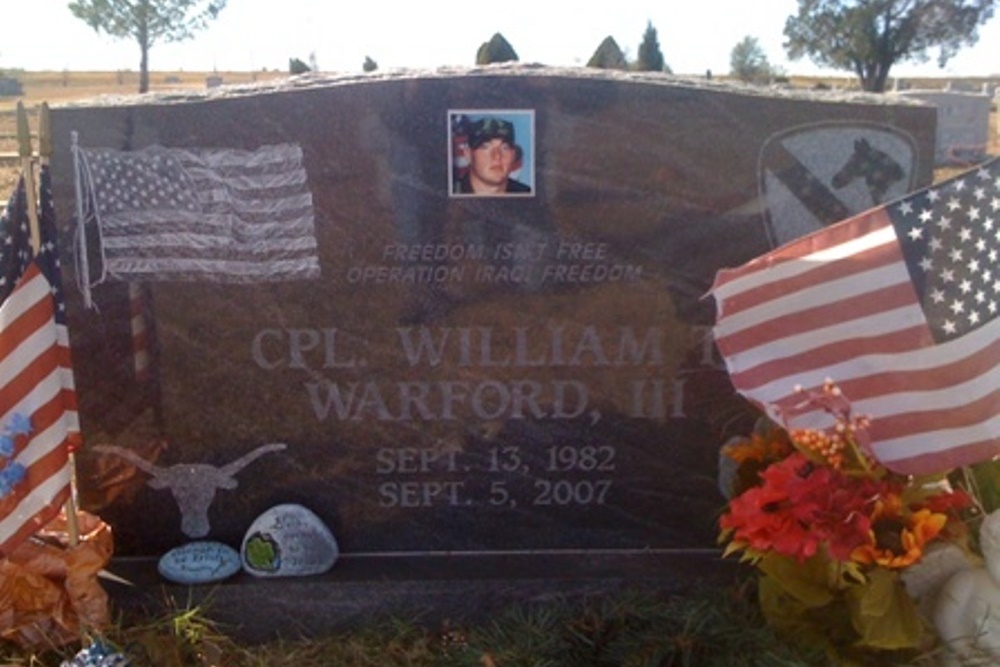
(98, 654)
(11, 476)
(20, 424)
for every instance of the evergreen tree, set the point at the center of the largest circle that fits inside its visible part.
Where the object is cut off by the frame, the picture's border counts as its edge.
(497, 50)
(650, 59)
(369, 64)
(147, 22)
(608, 56)
(296, 66)
(748, 62)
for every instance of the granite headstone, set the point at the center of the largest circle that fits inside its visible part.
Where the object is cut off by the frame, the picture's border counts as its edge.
(452, 372)
(963, 124)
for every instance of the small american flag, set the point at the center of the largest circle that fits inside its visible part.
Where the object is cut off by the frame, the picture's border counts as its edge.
(38, 413)
(899, 307)
(221, 215)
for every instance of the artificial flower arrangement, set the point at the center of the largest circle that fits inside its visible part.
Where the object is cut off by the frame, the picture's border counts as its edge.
(831, 532)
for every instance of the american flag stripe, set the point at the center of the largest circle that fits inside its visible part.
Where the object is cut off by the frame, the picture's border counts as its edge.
(940, 379)
(25, 320)
(204, 234)
(849, 303)
(140, 334)
(248, 271)
(32, 383)
(922, 452)
(770, 378)
(819, 327)
(33, 510)
(783, 266)
(32, 347)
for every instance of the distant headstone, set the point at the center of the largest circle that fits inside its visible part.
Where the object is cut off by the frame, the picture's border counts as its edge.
(199, 563)
(465, 359)
(288, 541)
(963, 124)
(10, 87)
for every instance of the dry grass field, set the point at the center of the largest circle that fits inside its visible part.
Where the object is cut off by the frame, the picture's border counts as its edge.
(57, 88)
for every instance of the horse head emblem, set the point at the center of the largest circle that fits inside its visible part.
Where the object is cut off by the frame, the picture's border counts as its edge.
(878, 169)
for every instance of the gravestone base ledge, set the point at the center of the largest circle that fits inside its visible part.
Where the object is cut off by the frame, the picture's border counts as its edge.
(429, 589)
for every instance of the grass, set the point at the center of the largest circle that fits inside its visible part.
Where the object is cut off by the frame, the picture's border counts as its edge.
(716, 626)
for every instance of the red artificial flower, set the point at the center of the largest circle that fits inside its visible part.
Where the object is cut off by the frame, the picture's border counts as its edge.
(949, 502)
(800, 506)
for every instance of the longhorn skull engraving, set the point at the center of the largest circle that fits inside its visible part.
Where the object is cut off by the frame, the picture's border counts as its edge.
(193, 485)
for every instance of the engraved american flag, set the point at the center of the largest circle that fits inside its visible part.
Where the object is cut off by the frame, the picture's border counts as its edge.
(222, 215)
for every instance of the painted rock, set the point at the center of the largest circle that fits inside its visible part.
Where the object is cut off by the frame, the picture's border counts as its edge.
(97, 654)
(288, 541)
(199, 563)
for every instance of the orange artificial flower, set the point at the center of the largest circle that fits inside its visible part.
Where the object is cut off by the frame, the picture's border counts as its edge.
(897, 539)
(768, 447)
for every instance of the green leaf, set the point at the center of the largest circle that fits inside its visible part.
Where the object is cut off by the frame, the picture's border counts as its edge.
(884, 615)
(814, 582)
(987, 478)
(788, 615)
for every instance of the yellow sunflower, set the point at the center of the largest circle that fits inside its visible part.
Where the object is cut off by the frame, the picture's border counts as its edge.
(897, 538)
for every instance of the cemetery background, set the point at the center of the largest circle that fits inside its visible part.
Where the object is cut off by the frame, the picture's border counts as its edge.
(993, 133)
(65, 87)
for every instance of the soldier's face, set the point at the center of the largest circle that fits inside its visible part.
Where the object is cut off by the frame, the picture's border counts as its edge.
(492, 162)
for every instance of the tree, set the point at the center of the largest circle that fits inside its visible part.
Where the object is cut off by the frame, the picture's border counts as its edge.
(650, 59)
(748, 62)
(369, 65)
(297, 66)
(868, 37)
(608, 56)
(497, 50)
(147, 22)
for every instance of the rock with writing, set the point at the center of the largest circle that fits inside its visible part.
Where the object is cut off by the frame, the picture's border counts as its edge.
(288, 541)
(200, 563)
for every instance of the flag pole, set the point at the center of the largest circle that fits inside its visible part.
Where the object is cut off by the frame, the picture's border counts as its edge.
(27, 167)
(28, 173)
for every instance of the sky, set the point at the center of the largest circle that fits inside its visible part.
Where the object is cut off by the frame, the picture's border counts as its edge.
(694, 36)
